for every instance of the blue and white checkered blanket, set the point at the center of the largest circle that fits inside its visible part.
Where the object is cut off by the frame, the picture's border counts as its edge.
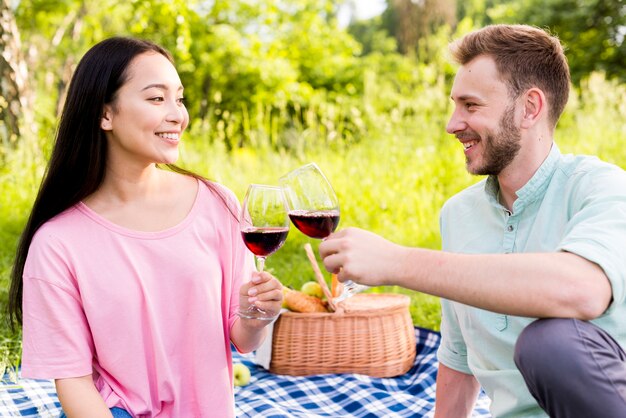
(276, 396)
(347, 395)
(34, 398)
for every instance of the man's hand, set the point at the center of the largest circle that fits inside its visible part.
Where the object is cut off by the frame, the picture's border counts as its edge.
(361, 256)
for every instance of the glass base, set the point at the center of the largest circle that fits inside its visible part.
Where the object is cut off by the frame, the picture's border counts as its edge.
(255, 313)
(349, 289)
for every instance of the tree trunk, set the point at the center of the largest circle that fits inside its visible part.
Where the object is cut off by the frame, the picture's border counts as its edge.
(418, 19)
(16, 112)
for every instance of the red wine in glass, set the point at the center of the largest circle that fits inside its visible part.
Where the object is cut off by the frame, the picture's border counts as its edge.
(264, 241)
(264, 225)
(314, 208)
(315, 224)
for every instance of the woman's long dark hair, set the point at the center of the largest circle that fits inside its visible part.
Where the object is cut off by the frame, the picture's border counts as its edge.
(77, 165)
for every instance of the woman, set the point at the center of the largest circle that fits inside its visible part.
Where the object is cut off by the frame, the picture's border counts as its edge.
(128, 276)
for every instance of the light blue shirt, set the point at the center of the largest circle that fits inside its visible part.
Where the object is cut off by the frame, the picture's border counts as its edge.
(572, 203)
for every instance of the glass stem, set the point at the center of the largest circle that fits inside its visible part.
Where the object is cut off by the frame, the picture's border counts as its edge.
(260, 263)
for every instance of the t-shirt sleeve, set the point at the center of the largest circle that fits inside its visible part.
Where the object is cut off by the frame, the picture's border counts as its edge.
(242, 258)
(242, 273)
(597, 229)
(57, 342)
(452, 350)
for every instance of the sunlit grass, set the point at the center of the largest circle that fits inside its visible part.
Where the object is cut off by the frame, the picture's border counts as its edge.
(392, 182)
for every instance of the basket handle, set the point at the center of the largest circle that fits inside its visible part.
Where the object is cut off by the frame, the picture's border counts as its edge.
(319, 276)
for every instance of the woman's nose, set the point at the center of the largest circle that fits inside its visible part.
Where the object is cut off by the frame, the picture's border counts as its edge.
(176, 112)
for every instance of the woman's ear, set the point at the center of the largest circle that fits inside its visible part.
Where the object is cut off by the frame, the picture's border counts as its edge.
(106, 120)
(535, 107)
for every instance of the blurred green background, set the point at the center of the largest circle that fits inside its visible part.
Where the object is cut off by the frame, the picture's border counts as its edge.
(271, 85)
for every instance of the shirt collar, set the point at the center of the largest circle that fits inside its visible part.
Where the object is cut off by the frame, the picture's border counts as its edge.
(534, 188)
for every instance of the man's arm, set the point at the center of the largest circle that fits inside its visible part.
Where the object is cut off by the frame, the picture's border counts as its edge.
(456, 393)
(79, 398)
(534, 285)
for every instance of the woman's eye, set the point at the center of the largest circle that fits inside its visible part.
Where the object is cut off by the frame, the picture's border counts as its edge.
(181, 100)
(156, 99)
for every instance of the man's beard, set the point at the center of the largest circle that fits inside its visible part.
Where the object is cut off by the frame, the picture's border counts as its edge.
(500, 148)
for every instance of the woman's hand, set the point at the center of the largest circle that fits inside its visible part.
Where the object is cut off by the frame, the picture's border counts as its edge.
(264, 291)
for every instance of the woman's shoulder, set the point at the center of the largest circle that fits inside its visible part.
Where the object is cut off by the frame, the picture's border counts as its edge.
(59, 231)
(63, 222)
(220, 194)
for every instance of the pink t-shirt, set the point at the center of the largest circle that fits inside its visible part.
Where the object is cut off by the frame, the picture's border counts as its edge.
(148, 313)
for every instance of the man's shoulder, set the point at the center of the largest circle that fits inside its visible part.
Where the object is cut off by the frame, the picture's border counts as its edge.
(583, 172)
(469, 196)
(577, 164)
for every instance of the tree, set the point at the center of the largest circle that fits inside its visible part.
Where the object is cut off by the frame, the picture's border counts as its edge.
(593, 31)
(251, 69)
(412, 22)
(14, 89)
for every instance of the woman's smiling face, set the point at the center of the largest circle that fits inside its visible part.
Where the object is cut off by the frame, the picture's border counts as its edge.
(145, 121)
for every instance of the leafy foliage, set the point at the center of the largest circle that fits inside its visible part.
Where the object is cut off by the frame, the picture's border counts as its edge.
(593, 31)
(273, 84)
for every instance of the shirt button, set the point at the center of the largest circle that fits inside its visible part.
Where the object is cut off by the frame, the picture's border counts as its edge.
(509, 228)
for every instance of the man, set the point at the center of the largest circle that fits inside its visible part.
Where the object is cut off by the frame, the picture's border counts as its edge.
(543, 236)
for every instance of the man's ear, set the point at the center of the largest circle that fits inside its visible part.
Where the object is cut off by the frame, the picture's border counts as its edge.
(106, 122)
(535, 107)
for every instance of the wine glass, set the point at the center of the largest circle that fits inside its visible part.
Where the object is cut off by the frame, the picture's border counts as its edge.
(264, 228)
(314, 209)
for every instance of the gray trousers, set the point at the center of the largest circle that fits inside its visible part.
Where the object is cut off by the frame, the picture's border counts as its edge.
(573, 369)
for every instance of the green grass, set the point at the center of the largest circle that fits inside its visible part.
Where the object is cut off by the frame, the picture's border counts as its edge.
(392, 182)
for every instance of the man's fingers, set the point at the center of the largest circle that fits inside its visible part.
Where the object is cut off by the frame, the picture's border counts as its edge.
(331, 246)
(332, 263)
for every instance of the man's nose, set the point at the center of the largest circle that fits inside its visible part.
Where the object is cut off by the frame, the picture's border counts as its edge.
(455, 123)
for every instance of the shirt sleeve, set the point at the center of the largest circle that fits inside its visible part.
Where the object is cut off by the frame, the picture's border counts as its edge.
(597, 229)
(452, 350)
(57, 342)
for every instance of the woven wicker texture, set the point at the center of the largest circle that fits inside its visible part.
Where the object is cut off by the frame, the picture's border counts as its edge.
(372, 335)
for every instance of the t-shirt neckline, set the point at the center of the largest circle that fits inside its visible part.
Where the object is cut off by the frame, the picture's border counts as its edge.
(90, 213)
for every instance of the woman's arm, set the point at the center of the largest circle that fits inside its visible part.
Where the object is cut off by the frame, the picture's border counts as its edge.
(248, 334)
(79, 398)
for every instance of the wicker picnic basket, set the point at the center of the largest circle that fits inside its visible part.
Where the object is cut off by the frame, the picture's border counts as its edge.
(370, 334)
